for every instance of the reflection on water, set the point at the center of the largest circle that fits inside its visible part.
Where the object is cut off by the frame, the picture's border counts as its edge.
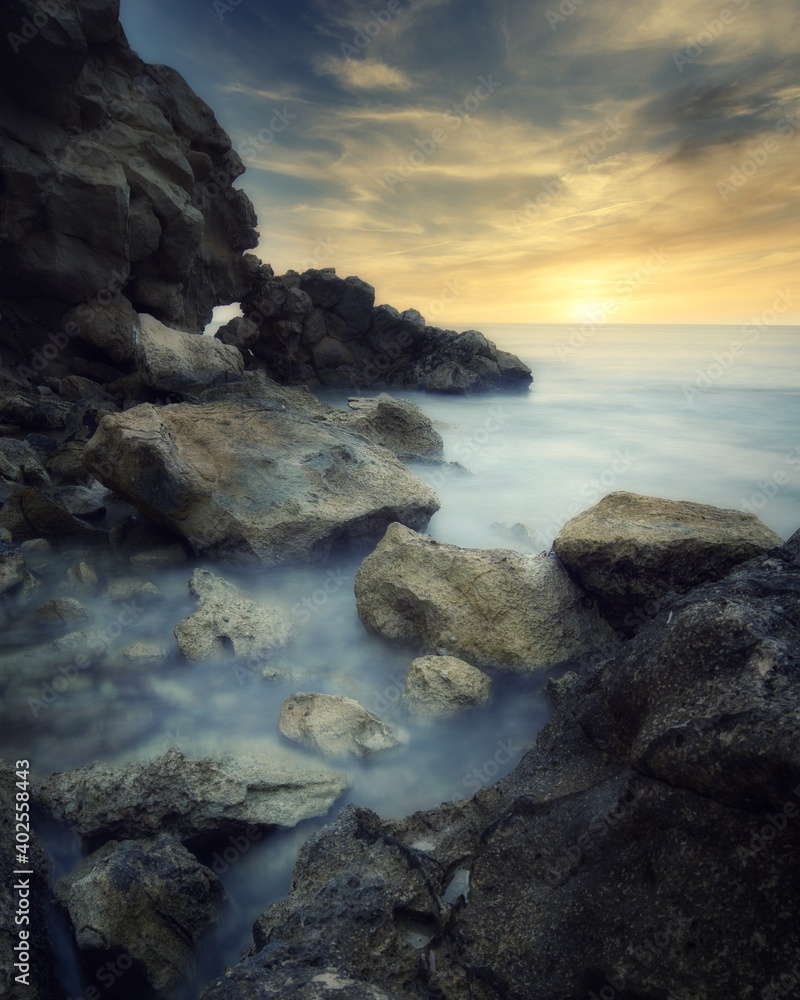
(614, 413)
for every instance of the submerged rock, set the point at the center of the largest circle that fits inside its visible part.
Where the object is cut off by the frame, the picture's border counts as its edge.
(333, 725)
(151, 899)
(490, 607)
(254, 485)
(188, 798)
(648, 845)
(631, 551)
(227, 624)
(440, 686)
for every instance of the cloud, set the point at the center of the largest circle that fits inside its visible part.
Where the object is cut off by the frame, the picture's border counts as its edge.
(363, 74)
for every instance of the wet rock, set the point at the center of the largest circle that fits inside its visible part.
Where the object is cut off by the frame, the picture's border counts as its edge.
(150, 899)
(82, 577)
(31, 513)
(252, 484)
(396, 424)
(12, 566)
(19, 463)
(41, 983)
(182, 363)
(647, 845)
(333, 725)
(491, 607)
(227, 624)
(188, 798)
(631, 551)
(63, 611)
(440, 686)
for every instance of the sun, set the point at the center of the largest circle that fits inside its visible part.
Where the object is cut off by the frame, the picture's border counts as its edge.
(590, 312)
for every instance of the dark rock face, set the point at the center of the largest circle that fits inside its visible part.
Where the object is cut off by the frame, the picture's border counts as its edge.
(646, 847)
(115, 188)
(322, 329)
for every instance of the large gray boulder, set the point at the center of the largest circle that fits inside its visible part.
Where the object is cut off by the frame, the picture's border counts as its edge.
(188, 798)
(397, 424)
(173, 361)
(490, 607)
(248, 483)
(631, 552)
(150, 899)
(334, 726)
(647, 846)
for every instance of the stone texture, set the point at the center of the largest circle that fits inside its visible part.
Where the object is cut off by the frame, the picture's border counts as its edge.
(440, 686)
(630, 551)
(151, 899)
(490, 607)
(333, 725)
(396, 424)
(188, 798)
(646, 847)
(252, 484)
(227, 624)
(182, 363)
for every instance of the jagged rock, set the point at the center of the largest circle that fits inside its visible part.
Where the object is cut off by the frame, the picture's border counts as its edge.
(632, 551)
(41, 983)
(151, 899)
(117, 190)
(12, 566)
(396, 424)
(19, 463)
(490, 607)
(239, 332)
(344, 340)
(647, 846)
(333, 725)
(31, 513)
(248, 483)
(440, 686)
(30, 410)
(172, 361)
(227, 624)
(188, 798)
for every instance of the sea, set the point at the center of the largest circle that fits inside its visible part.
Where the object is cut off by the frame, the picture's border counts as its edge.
(709, 414)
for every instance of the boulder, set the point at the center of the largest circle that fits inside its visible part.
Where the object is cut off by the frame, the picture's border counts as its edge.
(490, 607)
(41, 983)
(440, 686)
(227, 624)
(12, 566)
(63, 611)
(32, 513)
(151, 899)
(252, 484)
(188, 798)
(19, 463)
(631, 552)
(647, 846)
(108, 326)
(334, 726)
(396, 424)
(172, 361)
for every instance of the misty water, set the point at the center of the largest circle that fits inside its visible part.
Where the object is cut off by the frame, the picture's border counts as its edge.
(676, 412)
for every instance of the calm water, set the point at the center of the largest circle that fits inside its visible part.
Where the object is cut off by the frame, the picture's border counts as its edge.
(666, 411)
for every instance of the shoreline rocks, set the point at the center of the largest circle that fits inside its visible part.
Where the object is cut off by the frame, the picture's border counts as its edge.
(334, 725)
(490, 607)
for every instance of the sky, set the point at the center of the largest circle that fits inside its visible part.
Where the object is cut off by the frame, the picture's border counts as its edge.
(513, 161)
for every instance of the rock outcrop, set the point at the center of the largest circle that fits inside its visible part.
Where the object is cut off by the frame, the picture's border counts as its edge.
(647, 846)
(117, 193)
(334, 726)
(632, 552)
(176, 362)
(188, 798)
(150, 899)
(397, 424)
(490, 607)
(252, 484)
(320, 328)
